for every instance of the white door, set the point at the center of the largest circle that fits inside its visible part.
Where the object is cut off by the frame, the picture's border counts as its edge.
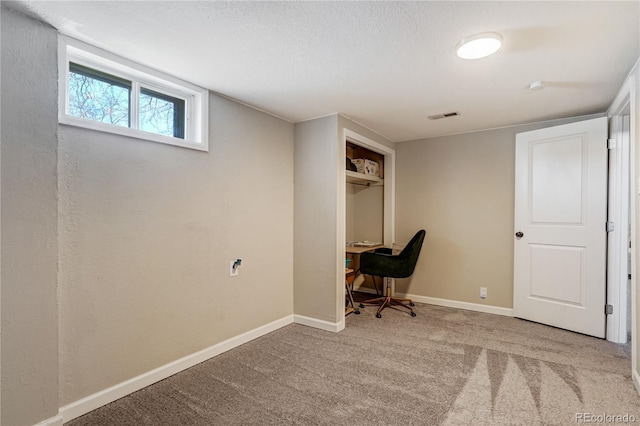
(560, 226)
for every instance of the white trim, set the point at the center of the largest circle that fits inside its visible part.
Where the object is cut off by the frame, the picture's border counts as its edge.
(389, 182)
(389, 202)
(317, 118)
(367, 127)
(318, 323)
(53, 421)
(98, 399)
(341, 231)
(366, 142)
(628, 92)
(633, 147)
(488, 309)
(196, 98)
(222, 95)
(621, 100)
(617, 240)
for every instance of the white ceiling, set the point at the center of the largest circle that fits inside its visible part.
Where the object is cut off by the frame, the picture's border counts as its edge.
(387, 65)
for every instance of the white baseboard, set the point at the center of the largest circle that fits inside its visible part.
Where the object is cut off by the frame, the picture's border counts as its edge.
(53, 421)
(98, 399)
(317, 323)
(489, 309)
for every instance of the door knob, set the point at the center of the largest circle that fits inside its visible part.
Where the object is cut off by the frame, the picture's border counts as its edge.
(519, 234)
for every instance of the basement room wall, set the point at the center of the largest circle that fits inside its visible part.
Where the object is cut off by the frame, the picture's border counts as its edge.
(315, 218)
(368, 213)
(460, 188)
(29, 221)
(147, 231)
(317, 160)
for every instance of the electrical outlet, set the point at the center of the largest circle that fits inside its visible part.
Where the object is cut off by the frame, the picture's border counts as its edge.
(483, 292)
(234, 267)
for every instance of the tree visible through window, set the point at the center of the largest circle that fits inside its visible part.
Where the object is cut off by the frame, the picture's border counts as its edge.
(106, 98)
(161, 114)
(98, 96)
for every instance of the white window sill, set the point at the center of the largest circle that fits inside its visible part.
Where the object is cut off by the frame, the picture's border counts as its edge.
(129, 132)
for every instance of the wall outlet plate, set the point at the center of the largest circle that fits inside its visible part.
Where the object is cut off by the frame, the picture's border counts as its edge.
(483, 292)
(233, 271)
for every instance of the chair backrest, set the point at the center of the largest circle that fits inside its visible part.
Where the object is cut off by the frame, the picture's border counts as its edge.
(394, 266)
(411, 252)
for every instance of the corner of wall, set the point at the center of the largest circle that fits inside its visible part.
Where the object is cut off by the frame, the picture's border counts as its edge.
(29, 220)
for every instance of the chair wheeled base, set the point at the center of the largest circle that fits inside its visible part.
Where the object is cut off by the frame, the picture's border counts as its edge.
(389, 301)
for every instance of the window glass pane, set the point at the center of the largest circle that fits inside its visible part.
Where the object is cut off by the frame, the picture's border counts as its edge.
(161, 114)
(98, 96)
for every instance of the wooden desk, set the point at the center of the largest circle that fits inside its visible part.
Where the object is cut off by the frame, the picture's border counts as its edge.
(360, 249)
(354, 265)
(354, 252)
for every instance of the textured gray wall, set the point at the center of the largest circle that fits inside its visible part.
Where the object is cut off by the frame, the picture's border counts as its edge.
(147, 231)
(315, 218)
(29, 221)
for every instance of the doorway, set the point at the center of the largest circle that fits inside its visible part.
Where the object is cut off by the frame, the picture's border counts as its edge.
(560, 215)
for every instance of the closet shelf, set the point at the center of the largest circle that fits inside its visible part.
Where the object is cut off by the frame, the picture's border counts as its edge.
(361, 178)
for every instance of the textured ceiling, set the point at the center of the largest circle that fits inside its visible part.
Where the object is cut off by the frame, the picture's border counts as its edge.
(387, 65)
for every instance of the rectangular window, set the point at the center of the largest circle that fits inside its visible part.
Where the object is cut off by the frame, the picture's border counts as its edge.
(98, 96)
(161, 114)
(103, 92)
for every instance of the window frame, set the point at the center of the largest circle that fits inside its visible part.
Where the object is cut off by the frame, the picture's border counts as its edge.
(179, 110)
(196, 99)
(103, 77)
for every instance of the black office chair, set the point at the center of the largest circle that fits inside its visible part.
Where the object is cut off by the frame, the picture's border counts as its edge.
(382, 263)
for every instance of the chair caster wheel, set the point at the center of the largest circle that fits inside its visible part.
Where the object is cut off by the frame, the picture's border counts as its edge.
(361, 305)
(357, 312)
(413, 314)
(412, 304)
(378, 316)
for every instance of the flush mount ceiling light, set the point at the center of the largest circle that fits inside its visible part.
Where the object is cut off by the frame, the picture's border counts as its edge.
(479, 45)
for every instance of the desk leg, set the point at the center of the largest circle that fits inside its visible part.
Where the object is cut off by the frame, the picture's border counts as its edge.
(352, 304)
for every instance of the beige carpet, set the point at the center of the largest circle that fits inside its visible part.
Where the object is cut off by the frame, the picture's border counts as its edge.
(445, 366)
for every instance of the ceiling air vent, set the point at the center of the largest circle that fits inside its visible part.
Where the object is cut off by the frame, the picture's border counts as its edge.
(445, 115)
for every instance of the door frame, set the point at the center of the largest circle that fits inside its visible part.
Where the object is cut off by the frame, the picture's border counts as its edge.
(627, 95)
(389, 225)
(618, 213)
